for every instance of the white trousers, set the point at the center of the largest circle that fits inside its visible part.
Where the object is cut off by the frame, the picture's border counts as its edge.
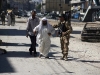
(44, 47)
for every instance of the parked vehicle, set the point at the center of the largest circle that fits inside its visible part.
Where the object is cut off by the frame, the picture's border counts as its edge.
(76, 15)
(91, 31)
(40, 15)
(81, 16)
(28, 14)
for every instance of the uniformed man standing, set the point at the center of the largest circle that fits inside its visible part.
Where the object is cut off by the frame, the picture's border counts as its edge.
(12, 18)
(64, 30)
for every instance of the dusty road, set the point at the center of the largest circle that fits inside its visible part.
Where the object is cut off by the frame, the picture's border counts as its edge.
(83, 58)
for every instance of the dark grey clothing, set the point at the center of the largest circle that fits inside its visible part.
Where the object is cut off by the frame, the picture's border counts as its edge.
(31, 24)
(3, 18)
(33, 44)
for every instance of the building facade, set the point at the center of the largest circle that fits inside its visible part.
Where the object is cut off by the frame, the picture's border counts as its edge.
(83, 4)
(54, 5)
(3, 5)
(19, 4)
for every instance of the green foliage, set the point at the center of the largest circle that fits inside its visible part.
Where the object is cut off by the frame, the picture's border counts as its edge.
(38, 7)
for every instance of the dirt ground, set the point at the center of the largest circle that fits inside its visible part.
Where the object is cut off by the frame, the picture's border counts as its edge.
(83, 57)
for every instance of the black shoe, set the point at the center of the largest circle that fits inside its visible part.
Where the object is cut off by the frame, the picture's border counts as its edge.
(30, 52)
(5, 51)
(40, 55)
(47, 57)
(35, 54)
(62, 58)
(66, 59)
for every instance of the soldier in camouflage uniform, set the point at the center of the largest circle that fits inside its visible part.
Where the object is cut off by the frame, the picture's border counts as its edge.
(64, 27)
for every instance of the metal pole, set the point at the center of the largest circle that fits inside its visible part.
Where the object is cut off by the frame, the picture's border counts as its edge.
(42, 6)
(60, 6)
(90, 2)
(0, 3)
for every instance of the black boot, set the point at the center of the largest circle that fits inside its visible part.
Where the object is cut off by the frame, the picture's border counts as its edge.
(66, 59)
(40, 55)
(47, 57)
(30, 51)
(62, 58)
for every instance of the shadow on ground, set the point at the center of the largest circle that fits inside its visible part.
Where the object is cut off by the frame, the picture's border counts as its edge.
(90, 61)
(21, 54)
(76, 32)
(22, 44)
(5, 65)
(15, 44)
(12, 32)
(78, 60)
(53, 45)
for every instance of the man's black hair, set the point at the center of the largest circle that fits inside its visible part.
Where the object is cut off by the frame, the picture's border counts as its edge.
(62, 15)
(34, 11)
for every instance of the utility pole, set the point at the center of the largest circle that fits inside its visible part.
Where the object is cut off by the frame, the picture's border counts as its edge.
(0, 4)
(90, 2)
(60, 6)
(42, 9)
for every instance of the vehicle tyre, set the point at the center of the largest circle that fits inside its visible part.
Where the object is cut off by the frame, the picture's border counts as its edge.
(82, 39)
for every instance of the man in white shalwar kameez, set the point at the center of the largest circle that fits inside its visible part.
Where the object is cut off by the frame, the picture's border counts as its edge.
(9, 19)
(44, 30)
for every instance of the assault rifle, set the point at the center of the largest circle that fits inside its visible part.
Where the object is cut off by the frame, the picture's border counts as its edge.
(59, 31)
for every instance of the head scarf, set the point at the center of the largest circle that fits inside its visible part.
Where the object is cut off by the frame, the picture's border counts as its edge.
(43, 19)
(40, 26)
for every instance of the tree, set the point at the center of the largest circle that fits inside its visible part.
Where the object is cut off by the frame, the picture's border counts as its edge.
(38, 7)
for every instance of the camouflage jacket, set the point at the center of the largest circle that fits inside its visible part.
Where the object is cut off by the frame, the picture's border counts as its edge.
(68, 27)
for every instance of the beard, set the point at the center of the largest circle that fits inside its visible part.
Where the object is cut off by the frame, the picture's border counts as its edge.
(44, 24)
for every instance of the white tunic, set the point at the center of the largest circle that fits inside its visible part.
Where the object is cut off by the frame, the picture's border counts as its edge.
(9, 19)
(44, 39)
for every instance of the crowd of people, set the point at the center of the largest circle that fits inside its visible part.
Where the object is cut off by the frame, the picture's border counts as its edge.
(41, 30)
(10, 21)
(10, 18)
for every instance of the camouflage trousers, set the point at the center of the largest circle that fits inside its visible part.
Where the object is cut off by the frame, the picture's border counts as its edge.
(64, 45)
